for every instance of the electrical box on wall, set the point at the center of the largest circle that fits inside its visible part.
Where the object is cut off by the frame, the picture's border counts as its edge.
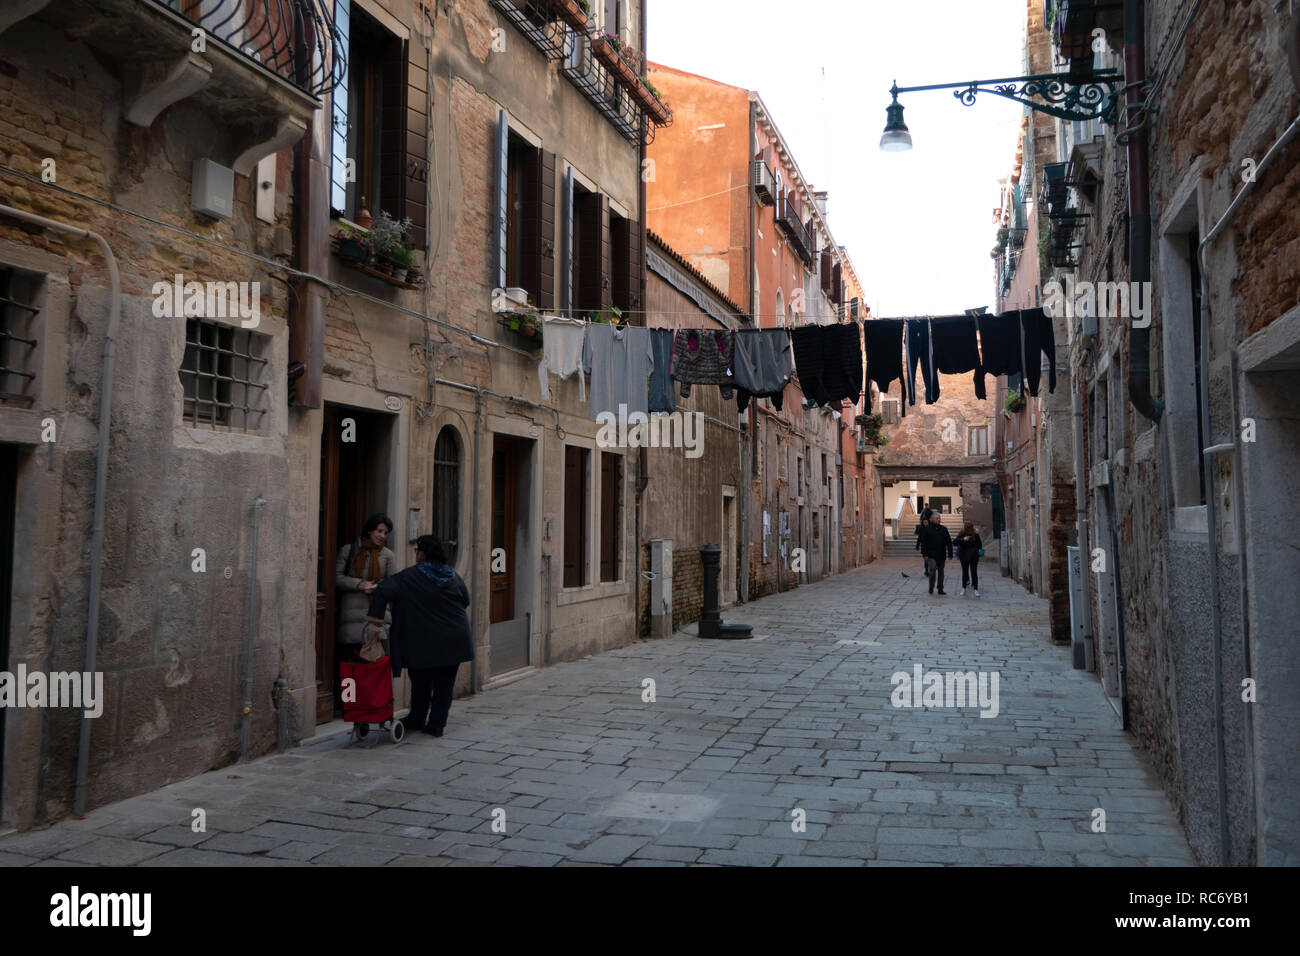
(212, 189)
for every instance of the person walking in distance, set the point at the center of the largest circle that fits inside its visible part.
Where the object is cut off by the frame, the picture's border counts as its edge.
(920, 527)
(936, 545)
(430, 634)
(970, 546)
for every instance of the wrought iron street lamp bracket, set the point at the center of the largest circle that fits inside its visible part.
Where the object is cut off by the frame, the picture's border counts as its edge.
(1051, 93)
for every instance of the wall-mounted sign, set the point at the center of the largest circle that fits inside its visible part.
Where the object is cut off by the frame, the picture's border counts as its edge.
(393, 403)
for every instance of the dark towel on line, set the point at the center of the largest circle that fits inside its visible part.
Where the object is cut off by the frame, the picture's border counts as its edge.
(918, 351)
(810, 361)
(1039, 338)
(762, 363)
(843, 373)
(662, 398)
(884, 344)
(956, 349)
(999, 347)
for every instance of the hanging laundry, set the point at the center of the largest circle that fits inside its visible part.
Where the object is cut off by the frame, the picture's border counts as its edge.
(1036, 327)
(918, 352)
(562, 340)
(842, 374)
(883, 339)
(662, 398)
(810, 361)
(703, 357)
(1000, 347)
(620, 363)
(956, 348)
(762, 361)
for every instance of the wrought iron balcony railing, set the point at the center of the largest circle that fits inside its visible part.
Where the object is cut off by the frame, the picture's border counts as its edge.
(788, 221)
(295, 39)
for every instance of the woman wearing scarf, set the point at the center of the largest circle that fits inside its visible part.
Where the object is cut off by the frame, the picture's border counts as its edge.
(360, 567)
(430, 634)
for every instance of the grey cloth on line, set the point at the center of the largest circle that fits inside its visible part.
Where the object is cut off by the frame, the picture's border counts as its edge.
(662, 396)
(562, 342)
(620, 363)
(762, 363)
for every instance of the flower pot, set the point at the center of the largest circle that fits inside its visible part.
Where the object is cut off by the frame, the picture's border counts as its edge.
(528, 329)
(350, 250)
(571, 13)
(604, 51)
(399, 274)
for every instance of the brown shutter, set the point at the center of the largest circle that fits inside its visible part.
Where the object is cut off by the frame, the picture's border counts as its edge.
(605, 252)
(546, 231)
(837, 284)
(416, 195)
(609, 490)
(392, 130)
(634, 273)
(826, 272)
(575, 502)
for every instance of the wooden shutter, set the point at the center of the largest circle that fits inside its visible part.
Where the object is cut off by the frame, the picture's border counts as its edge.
(625, 234)
(416, 192)
(635, 240)
(392, 128)
(837, 285)
(610, 473)
(826, 272)
(604, 252)
(566, 245)
(546, 230)
(501, 173)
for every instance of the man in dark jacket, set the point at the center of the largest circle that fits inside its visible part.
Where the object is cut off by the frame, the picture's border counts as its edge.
(430, 634)
(936, 544)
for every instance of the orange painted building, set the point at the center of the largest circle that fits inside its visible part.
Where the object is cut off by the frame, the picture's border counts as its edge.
(727, 194)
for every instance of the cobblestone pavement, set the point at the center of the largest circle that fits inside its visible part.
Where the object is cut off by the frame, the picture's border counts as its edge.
(741, 735)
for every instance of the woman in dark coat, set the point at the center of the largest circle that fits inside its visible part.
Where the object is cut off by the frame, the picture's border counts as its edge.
(430, 633)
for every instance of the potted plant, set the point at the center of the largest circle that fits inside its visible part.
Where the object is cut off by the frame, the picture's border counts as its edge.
(871, 425)
(1015, 401)
(353, 245)
(386, 236)
(403, 261)
(525, 322)
(573, 12)
(611, 314)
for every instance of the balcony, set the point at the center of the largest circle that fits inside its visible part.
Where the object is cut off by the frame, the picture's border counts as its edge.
(1073, 23)
(789, 222)
(260, 65)
(545, 23)
(606, 77)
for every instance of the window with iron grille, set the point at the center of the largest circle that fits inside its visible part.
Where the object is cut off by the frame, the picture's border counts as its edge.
(446, 490)
(224, 375)
(18, 336)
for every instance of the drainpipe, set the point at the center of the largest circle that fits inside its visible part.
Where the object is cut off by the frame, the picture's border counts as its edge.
(473, 571)
(1207, 464)
(1081, 519)
(101, 477)
(1139, 205)
(245, 727)
(749, 462)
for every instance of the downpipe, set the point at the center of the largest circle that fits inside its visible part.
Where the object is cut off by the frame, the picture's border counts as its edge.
(101, 477)
(245, 727)
(474, 574)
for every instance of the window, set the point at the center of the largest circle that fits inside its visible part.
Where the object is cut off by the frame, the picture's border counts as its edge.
(889, 411)
(625, 238)
(941, 503)
(977, 440)
(19, 336)
(446, 490)
(611, 515)
(223, 375)
(589, 250)
(575, 516)
(526, 233)
(379, 124)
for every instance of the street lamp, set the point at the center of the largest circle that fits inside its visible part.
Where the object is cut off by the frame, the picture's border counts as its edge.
(896, 138)
(1051, 93)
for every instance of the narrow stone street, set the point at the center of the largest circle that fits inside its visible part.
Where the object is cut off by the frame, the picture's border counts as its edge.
(739, 738)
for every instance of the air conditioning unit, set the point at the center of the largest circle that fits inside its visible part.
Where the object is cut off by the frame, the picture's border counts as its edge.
(764, 183)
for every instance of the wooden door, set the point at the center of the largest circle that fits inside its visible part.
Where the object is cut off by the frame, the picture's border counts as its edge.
(504, 473)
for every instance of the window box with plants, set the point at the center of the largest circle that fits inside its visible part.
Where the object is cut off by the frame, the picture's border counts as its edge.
(380, 252)
(573, 12)
(649, 99)
(1015, 401)
(609, 50)
(871, 426)
(527, 324)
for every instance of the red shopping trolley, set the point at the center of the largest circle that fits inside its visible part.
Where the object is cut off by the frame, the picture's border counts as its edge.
(368, 697)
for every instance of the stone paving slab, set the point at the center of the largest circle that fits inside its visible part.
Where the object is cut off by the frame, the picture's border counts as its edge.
(786, 750)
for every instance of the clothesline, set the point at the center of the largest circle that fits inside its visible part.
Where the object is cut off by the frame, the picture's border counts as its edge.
(623, 358)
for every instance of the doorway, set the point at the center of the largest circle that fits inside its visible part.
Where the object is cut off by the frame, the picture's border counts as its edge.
(356, 452)
(8, 491)
(514, 570)
(728, 548)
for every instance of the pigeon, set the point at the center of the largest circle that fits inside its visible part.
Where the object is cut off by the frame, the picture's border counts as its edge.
(904, 574)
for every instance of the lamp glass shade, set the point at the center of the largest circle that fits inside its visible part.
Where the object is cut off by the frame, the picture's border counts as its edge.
(896, 138)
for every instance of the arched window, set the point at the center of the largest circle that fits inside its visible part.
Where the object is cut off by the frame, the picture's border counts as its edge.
(780, 309)
(446, 490)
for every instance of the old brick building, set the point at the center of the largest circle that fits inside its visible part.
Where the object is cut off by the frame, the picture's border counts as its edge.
(1178, 250)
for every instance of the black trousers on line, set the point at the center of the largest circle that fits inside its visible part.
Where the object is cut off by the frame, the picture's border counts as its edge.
(431, 690)
(970, 571)
(938, 574)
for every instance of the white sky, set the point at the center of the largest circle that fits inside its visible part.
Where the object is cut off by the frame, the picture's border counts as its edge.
(918, 225)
